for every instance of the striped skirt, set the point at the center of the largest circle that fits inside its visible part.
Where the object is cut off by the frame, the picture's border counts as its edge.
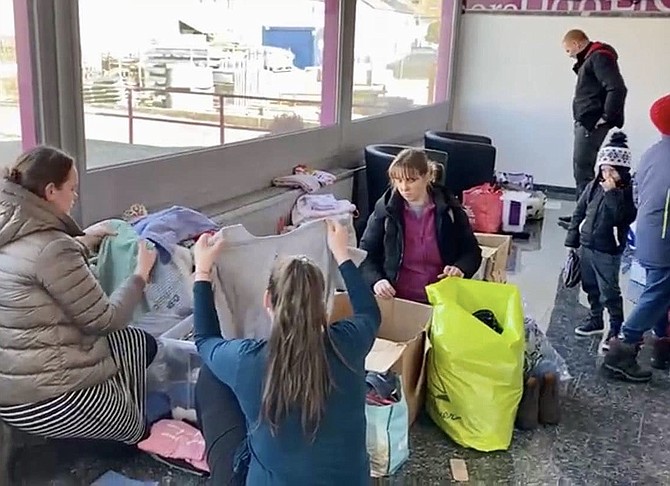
(113, 410)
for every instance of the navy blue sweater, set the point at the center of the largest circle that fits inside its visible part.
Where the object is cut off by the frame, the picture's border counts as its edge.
(338, 454)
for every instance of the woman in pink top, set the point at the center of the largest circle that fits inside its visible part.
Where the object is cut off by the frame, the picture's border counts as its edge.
(417, 234)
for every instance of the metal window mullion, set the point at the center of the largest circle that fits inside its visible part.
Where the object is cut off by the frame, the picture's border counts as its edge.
(57, 77)
(454, 61)
(345, 85)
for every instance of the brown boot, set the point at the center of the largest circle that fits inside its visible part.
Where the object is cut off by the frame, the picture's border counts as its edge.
(550, 405)
(621, 362)
(660, 358)
(528, 413)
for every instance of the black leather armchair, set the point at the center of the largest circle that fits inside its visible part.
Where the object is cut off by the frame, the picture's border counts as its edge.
(471, 158)
(464, 137)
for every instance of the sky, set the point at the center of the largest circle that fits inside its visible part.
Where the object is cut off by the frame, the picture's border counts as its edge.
(6, 17)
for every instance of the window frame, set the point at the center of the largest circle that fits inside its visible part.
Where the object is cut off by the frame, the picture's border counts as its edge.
(24, 55)
(208, 176)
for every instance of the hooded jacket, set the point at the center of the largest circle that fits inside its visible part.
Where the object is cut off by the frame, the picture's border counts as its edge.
(652, 237)
(383, 239)
(602, 219)
(53, 313)
(600, 91)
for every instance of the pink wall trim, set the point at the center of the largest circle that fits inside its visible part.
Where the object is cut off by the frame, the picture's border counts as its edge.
(331, 43)
(445, 49)
(25, 74)
(645, 6)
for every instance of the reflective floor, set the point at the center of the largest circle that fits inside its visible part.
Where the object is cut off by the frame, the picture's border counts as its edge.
(611, 433)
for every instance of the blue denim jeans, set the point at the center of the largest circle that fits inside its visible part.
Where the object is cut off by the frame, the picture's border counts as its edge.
(651, 311)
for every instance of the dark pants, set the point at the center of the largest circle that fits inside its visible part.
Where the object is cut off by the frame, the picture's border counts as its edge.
(651, 311)
(585, 153)
(600, 281)
(223, 427)
(152, 348)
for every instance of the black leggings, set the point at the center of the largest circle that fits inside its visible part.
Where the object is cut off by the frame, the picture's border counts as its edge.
(223, 427)
(152, 348)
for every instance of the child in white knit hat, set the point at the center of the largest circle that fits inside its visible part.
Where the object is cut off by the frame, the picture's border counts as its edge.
(599, 227)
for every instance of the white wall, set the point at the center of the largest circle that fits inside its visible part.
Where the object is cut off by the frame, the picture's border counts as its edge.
(515, 84)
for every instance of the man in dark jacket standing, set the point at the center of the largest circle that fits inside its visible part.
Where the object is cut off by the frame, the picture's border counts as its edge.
(598, 103)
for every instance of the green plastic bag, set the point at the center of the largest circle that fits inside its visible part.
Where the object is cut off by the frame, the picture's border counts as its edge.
(475, 375)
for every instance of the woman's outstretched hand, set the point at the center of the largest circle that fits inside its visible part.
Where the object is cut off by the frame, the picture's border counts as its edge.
(206, 251)
(146, 259)
(338, 241)
(94, 234)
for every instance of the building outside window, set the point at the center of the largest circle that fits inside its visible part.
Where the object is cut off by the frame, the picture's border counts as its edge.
(396, 55)
(162, 77)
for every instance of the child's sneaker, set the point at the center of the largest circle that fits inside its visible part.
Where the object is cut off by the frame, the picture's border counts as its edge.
(592, 327)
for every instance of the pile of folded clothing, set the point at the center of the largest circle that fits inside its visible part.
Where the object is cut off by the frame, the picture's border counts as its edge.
(177, 444)
(309, 180)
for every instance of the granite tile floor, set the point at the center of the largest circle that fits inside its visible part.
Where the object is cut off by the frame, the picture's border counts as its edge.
(612, 433)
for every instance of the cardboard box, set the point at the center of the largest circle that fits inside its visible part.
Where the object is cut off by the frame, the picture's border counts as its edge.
(495, 251)
(401, 345)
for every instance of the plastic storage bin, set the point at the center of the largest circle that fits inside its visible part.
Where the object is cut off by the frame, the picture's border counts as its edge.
(156, 323)
(176, 367)
(515, 210)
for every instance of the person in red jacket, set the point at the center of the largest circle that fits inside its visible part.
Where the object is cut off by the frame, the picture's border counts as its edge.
(597, 105)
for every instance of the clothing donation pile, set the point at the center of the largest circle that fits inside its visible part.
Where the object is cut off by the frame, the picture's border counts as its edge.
(476, 331)
(167, 309)
(168, 301)
(168, 296)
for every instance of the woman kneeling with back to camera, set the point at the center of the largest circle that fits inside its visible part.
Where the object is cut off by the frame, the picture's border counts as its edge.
(69, 365)
(289, 410)
(417, 234)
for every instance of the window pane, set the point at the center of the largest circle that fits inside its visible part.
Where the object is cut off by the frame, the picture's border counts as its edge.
(395, 63)
(10, 117)
(165, 76)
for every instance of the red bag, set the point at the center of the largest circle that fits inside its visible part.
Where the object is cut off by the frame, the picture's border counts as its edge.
(484, 204)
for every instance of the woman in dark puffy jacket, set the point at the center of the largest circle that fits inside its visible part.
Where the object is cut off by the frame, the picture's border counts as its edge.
(600, 227)
(417, 234)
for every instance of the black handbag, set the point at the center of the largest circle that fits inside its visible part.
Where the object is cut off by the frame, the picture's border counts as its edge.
(572, 272)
